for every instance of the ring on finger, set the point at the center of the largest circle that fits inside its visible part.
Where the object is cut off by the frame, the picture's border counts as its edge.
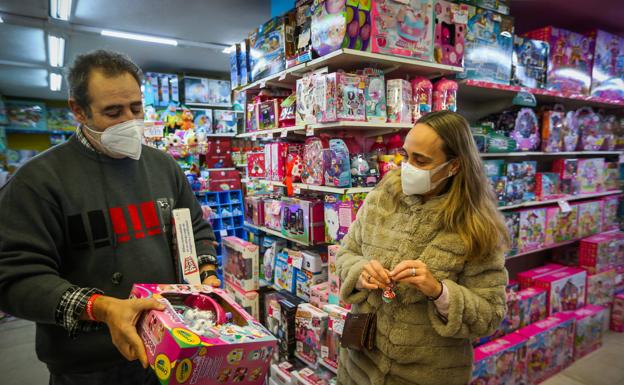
(369, 278)
(413, 271)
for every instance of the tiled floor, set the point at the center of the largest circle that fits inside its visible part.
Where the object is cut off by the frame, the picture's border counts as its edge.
(19, 364)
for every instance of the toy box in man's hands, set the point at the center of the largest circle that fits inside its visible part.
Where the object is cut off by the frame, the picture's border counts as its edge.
(240, 263)
(202, 337)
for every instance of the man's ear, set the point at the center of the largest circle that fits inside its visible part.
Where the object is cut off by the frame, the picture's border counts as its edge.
(79, 113)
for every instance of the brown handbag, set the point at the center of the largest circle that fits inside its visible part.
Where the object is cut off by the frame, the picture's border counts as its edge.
(359, 331)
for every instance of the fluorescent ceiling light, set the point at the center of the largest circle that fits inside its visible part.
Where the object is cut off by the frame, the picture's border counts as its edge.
(136, 36)
(60, 9)
(55, 81)
(229, 50)
(1, 19)
(56, 51)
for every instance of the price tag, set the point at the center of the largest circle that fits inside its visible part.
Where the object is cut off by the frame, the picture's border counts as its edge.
(283, 134)
(153, 130)
(224, 233)
(297, 190)
(254, 138)
(564, 206)
(297, 261)
(282, 76)
(310, 131)
(324, 351)
(270, 187)
(262, 84)
(338, 326)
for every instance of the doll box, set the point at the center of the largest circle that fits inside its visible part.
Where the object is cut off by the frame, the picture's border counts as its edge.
(589, 175)
(187, 267)
(600, 252)
(334, 278)
(340, 213)
(375, 93)
(589, 218)
(399, 99)
(303, 220)
(331, 344)
(403, 28)
(547, 185)
(319, 294)
(254, 210)
(310, 328)
(284, 274)
(607, 70)
(532, 226)
(240, 263)
(248, 300)
(281, 312)
(529, 62)
(340, 96)
(552, 127)
(527, 278)
(500, 361)
(601, 288)
(567, 289)
(532, 306)
(449, 31)
(560, 226)
(550, 346)
(611, 205)
(237, 351)
(306, 100)
(617, 314)
(273, 214)
(589, 329)
(340, 24)
(305, 280)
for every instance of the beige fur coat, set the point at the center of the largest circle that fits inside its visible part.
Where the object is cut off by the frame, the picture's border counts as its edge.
(413, 345)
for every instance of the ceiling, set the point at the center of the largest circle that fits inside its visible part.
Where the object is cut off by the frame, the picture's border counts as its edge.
(23, 56)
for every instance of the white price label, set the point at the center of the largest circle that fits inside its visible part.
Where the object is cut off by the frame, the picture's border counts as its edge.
(324, 351)
(310, 131)
(338, 326)
(283, 134)
(254, 138)
(153, 131)
(282, 76)
(224, 233)
(263, 84)
(297, 190)
(564, 206)
(297, 261)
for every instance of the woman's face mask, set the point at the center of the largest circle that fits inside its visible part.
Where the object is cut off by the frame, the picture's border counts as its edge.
(416, 181)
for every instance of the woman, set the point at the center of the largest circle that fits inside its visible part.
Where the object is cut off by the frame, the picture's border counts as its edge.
(431, 234)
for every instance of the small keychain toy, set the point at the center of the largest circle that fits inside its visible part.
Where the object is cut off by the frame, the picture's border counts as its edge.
(388, 293)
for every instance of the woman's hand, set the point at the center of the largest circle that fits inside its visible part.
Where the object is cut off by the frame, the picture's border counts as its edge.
(416, 273)
(373, 276)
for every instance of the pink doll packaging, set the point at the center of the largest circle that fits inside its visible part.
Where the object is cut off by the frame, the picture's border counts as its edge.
(502, 361)
(445, 95)
(319, 294)
(254, 210)
(589, 218)
(550, 346)
(331, 344)
(273, 214)
(399, 97)
(589, 329)
(591, 130)
(531, 306)
(240, 263)
(279, 152)
(310, 330)
(306, 113)
(314, 161)
(527, 278)
(607, 71)
(600, 252)
(303, 220)
(570, 59)
(526, 131)
(617, 314)
(207, 338)
(552, 125)
(403, 28)
(449, 30)
(610, 212)
(567, 289)
(338, 163)
(422, 93)
(560, 226)
(532, 229)
(283, 373)
(589, 175)
(256, 165)
(248, 300)
(340, 96)
(601, 287)
(375, 95)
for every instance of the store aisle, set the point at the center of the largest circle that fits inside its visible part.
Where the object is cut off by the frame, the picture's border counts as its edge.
(20, 365)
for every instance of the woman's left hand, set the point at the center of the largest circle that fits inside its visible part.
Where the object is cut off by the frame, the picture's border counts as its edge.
(417, 274)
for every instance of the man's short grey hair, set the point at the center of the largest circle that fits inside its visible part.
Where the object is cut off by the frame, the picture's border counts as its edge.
(111, 63)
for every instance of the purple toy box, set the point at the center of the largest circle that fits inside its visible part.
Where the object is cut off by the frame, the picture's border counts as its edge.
(608, 69)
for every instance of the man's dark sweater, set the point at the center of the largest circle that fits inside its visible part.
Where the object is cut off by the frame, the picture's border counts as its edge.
(71, 217)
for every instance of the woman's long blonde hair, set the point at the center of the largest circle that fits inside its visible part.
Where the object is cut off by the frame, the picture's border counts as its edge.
(470, 209)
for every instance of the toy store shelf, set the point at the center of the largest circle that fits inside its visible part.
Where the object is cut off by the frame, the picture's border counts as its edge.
(276, 233)
(221, 169)
(347, 58)
(244, 165)
(550, 247)
(374, 127)
(479, 91)
(40, 132)
(532, 154)
(326, 189)
(269, 133)
(565, 198)
(207, 105)
(230, 135)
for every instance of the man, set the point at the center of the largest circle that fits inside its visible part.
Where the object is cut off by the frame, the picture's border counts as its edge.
(84, 221)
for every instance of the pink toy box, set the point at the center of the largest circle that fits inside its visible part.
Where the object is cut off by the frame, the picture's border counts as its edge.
(449, 31)
(501, 362)
(422, 94)
(527, 278)
(184, 349)
(550, 346)
(607, 71)
(531, 307)
(570, 59)
(240, 263)
(283, 373)
(532, 229)
(610, 212)
(340, 24)
(617, 314)
(340, 213)
(331, 344)
(601, 287)
(254, 210)
(256, 165)
(310, 330)
(403, 28)
(567, 289)
(399, 97)
(314, 161)
(248, 300)
(589, 175)
(303, 220)
(600, 252)
(273, 214)
(560, 226)
(589, 218)
(589, 329)
(275, 161)
(341, 97)
(445, 95)
(319, 294)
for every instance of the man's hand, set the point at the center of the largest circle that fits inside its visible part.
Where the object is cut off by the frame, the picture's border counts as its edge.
(212, 281)
(121, 316)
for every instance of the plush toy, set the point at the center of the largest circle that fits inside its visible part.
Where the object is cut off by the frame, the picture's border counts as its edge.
(190, 139)
(170, 117)
(187, 120)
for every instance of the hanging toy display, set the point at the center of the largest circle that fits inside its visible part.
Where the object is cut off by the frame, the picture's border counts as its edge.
(445, 95)
(526, 131)
(422, 90)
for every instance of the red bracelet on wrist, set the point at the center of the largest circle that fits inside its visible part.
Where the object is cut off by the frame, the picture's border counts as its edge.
(89, 308)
